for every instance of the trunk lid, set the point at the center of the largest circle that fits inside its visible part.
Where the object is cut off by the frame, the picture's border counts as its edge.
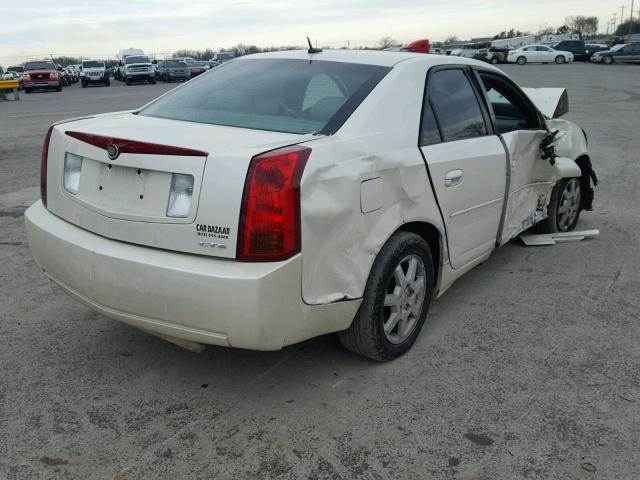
(126, 196)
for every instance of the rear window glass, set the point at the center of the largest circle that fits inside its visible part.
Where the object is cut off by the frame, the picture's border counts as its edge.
(174, 64)
(283, 95)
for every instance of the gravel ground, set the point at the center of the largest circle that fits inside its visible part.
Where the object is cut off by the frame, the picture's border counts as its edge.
(528, 367)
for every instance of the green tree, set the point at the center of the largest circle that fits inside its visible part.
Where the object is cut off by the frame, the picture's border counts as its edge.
(628, 27)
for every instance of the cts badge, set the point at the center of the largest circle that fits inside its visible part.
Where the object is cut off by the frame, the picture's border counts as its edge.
(112, 151)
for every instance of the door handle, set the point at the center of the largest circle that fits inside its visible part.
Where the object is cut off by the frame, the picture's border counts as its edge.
(453, 178)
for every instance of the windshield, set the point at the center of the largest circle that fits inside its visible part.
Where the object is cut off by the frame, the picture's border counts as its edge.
(174, 64)
(292, 96)
(618, 47)
(136, 59)
(92, 64)
(39, 66)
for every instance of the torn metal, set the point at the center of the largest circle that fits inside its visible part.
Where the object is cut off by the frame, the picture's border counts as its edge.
(531, 240)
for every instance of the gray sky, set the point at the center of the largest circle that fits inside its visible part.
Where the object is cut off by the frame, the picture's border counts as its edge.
(99, 28)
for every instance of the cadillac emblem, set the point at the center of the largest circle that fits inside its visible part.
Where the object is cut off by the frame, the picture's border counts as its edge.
(112, 151)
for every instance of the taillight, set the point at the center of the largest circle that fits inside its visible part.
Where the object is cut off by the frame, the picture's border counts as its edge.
(270, 215)
(43, 166)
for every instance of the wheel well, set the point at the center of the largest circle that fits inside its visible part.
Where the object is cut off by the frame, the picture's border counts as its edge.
(432, 236)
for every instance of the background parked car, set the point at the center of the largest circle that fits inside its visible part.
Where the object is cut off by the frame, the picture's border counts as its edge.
(592, 48)
(618, 54)
(170, 70)
(93, 72)
(576, 47)
(538, 54)
(65, 79)
(11, 75)
(195, 67)
(41, 75)
(137, 68)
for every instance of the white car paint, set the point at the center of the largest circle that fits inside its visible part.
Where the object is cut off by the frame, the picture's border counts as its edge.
(539, 54)
(122, 256)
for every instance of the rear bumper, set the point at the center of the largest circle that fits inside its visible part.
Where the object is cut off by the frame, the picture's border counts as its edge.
(221, 302)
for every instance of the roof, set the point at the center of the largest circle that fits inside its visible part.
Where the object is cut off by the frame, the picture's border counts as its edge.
(367, 57)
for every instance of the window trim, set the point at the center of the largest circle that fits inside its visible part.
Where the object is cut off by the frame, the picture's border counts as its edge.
(426, 99)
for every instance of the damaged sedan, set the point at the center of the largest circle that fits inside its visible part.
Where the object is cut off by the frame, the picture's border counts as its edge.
(287, 195)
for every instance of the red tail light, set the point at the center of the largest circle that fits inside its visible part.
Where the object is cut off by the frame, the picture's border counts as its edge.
(43, 166)
(270, 216)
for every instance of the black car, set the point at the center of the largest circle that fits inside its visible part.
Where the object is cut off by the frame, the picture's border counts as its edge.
(592, 48)
(169, 70)
(577, 47)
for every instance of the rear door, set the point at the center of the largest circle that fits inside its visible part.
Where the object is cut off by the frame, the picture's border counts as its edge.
(466, 162)
(545, 54)
(519, 126)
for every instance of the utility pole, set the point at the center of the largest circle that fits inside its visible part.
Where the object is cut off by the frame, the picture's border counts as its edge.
(631, 20)
(622, 7)
(615, 16)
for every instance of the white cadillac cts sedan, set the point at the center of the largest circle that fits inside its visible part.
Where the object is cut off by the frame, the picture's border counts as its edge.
(287, 195)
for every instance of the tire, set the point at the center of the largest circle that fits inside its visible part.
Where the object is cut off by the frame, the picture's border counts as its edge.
(563, 211)
(495, 60)
(27, 90)
(607, 60)
(152, 80)
(84, 84)
(366, 336)
(521, 60)
(107, 82)
(560, 59)
(58, 89)
(127, 81)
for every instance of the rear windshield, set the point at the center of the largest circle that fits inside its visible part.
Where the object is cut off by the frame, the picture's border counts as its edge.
(92, 64)
(174, 64)
(39, 66)
(281, 95)
(136, 59)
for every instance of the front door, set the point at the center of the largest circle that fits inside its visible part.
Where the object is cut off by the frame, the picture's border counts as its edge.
(517, 122)
(466, 162)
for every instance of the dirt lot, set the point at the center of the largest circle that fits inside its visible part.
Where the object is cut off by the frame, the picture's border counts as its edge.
(528, 367)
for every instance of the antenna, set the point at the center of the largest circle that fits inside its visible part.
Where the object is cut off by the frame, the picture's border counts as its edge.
(312, 49)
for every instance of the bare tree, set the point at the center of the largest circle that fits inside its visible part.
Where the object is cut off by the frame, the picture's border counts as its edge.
(387, 42)
(451, 39)
(585, 26)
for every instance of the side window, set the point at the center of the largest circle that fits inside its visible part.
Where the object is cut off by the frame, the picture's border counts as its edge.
(530, 49)
(456, 106)
(429, 133)
(512, 112)
(542, 49)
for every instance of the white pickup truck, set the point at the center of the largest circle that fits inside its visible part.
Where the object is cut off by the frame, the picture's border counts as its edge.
(92, 72)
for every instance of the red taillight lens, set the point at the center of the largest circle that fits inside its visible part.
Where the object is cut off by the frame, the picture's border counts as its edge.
(270, 216)
(43, 166)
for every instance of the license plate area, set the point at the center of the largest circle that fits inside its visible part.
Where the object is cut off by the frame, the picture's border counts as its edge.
(135, 192)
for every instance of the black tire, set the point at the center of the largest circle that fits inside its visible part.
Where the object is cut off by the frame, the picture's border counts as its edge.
(495, 60)
(608, 60)
(83, 84)
(107, 82)
(560, 59)
(27, 90)
(58, 89)
(128, 82)
(555, 221)
(521, 60)
(366, 335)
(152, 80)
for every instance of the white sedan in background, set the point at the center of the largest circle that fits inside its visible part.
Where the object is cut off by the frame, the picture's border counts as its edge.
(287, 195)
(538, 54)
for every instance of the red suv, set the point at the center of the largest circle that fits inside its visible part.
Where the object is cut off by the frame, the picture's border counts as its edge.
(41, 75)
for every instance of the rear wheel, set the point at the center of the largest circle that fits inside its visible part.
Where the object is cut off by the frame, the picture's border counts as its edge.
(560, 59)
(521, 60)
(564, 207)
(396, 300)
(495, 60)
